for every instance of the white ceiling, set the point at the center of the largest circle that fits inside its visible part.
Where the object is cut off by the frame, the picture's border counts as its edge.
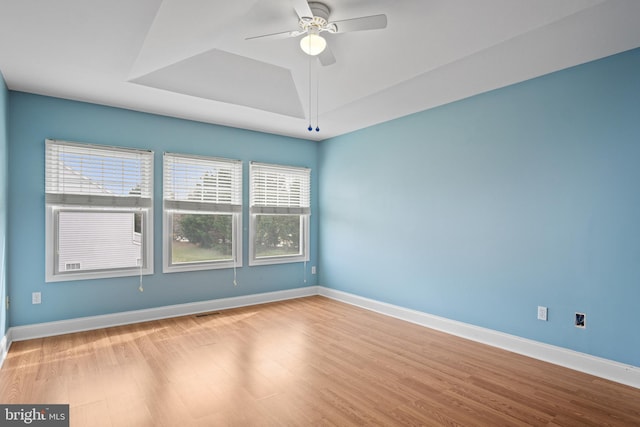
(190, 59)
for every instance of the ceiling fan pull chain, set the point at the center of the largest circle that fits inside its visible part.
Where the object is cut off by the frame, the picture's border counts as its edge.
(317, 97)
(310, 128)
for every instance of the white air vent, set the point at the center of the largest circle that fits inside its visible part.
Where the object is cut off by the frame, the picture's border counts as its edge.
(70, 266)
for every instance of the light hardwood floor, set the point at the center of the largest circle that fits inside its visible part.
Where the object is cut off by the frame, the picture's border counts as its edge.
(310, 361)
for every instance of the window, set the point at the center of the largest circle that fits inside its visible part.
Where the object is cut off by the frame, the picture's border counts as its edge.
(280, 209)
(99, 203)
(202, 213)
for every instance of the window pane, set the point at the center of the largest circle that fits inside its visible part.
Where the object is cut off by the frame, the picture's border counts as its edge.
(201, 237)
(137, 228)
(277, 235)
(97, 170)
(97, 240)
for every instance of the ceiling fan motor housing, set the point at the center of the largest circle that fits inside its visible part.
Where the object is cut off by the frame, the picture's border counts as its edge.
(320, 10)
(320, 17)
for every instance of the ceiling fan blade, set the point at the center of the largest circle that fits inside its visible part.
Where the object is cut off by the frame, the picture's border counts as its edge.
(326, 57)
(276, 36)
(302, 8)
(374, 22)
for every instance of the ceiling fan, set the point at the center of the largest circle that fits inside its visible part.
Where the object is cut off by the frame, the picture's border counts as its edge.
(314, 20)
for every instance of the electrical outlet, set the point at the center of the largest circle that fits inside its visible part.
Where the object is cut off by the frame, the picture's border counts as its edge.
(542, 313)
(313, 269)
(36, 298)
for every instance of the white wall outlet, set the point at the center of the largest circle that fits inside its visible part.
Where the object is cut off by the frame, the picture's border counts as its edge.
(542, 313)
(313, 269)
(36, 298)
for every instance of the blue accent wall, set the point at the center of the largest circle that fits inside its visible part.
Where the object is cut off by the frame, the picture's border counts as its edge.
(4, 194)
(483, 209)
(34, 118)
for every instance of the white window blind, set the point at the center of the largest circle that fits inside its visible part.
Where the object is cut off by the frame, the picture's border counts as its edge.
(83, 174)
(202, 183)
(279, 189)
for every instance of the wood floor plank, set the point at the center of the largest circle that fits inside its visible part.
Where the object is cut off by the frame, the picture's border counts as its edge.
(310, 361)
(87, 415)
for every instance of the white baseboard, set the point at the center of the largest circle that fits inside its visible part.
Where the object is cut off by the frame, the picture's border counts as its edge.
(39, 330)
(603, 368)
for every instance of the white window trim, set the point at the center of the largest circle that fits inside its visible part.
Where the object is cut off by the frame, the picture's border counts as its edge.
(188, 207)
(303, 210)
(58, 202)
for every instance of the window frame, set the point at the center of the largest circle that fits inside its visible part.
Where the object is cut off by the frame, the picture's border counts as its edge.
(299, 205)
(179, 205)
(57, 201)
(52, 241)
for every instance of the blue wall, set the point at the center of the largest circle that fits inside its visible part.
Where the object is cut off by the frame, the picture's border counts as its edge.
(33, 118)
(477, 211)
(4, 163)
(483, 209)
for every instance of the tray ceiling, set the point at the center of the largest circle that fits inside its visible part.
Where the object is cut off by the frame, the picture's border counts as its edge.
(191, 59)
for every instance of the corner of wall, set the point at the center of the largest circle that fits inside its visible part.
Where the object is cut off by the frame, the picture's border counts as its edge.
(4, 143)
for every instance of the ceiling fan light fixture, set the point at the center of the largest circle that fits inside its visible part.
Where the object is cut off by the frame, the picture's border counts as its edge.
(313, 44)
